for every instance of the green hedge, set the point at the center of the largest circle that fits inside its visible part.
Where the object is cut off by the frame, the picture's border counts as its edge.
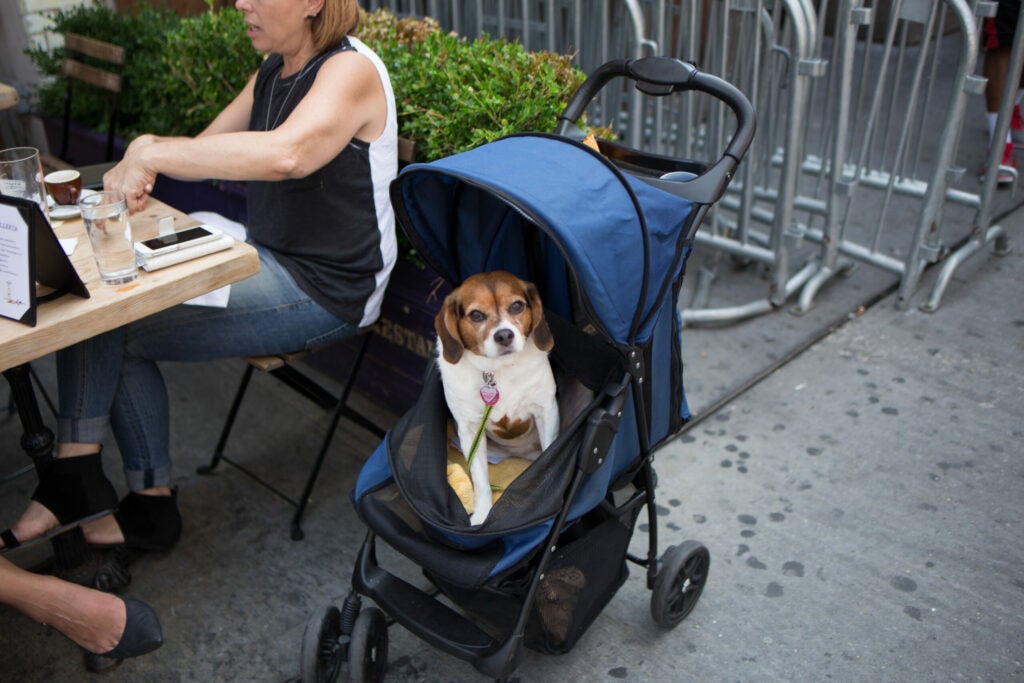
(179, 72)
(453, 94)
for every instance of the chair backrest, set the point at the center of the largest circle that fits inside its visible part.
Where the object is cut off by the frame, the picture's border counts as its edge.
(106, 78)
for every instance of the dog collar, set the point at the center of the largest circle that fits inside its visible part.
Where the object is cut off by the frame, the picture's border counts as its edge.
(489, 395)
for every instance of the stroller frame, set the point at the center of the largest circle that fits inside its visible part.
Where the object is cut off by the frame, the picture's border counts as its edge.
(359, 636)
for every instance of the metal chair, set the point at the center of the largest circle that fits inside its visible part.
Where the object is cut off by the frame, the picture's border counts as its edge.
(284, 368)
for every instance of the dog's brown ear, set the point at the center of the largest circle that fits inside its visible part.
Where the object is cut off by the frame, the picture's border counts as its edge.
(541, 332)
(446, 323)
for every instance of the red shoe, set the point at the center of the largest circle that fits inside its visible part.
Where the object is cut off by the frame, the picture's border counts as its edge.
(1007, 169)
(1017, 128)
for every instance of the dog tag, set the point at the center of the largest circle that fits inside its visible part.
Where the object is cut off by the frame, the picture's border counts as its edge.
(489, 394)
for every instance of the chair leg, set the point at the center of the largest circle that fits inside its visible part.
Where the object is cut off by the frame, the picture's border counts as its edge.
(305, 386)
(297, 533)
(225, 432)
(341, 408)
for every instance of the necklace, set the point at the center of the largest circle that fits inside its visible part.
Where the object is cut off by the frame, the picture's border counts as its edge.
(273, 85)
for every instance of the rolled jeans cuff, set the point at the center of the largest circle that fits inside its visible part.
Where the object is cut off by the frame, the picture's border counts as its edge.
(83, 430)
(139, 480)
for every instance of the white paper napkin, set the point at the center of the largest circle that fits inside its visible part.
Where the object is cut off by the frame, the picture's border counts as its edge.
(218, 298)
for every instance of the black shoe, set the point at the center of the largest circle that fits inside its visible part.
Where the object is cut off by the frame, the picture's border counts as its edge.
(142, 634)
(149, 524)
(75, 490)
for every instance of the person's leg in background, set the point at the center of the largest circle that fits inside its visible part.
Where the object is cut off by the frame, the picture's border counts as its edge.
(997, 41)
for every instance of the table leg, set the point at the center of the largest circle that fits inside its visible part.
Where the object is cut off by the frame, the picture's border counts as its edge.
(36, 438)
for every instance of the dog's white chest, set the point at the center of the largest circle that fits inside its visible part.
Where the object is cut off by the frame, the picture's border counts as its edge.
(519, 391)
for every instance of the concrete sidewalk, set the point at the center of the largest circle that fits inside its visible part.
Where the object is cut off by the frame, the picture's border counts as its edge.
(860, 504)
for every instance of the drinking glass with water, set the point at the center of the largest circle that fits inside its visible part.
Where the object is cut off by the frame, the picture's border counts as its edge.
(110, 233)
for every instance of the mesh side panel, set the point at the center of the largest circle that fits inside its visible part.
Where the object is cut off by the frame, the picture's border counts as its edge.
(582, 577)
(584, 574)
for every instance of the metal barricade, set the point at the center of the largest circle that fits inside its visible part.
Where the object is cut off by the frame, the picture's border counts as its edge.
(877, 165)
(767, 49)
(868, 170)
(982, 231)
(842, 171)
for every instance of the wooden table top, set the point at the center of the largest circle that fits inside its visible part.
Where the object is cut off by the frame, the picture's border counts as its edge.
(8, 96)
(70, 319)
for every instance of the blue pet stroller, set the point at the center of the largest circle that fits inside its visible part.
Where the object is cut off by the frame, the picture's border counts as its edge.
(605, 237)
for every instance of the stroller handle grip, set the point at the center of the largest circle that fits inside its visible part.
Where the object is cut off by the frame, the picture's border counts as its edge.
(660, 76)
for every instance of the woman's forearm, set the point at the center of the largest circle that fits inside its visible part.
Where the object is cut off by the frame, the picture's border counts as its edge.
(228, 156)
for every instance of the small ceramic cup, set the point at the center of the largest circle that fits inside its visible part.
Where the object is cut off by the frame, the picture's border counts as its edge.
(64, 186)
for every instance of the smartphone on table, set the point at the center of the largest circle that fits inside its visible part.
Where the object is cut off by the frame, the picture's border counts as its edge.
(171, 242)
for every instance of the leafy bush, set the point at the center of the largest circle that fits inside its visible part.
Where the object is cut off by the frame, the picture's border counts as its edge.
(143, 36)
(454, 94)
(207, 60)
(178, 72)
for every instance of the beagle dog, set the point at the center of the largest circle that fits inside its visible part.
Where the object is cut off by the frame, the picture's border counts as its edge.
(492, 352)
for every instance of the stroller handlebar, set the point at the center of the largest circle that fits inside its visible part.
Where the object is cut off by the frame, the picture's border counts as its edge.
(660, 76)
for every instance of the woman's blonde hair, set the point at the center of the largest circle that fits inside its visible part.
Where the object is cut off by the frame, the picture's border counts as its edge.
(337, 19)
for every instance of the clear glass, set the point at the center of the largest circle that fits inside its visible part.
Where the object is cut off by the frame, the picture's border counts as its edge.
(21, 175)
(110, 233)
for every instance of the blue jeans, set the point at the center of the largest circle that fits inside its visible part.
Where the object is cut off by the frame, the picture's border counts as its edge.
(112, 381)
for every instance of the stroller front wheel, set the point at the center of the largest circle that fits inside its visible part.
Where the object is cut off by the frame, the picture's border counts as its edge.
(368, 647)
(321, 649)
(683, 570)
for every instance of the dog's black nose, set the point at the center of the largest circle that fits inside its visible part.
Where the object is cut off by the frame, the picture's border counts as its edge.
(504, 336)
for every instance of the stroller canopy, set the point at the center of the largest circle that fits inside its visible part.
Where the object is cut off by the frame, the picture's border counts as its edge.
(538, 203)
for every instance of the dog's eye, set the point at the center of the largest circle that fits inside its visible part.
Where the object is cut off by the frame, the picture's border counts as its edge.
(516, 307)
(477, 316)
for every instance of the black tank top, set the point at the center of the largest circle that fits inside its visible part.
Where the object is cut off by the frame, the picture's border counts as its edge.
(329, 229)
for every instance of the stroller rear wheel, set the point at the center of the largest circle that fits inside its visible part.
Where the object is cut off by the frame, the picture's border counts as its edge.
(679, 583)
(321, 649)
(368, 647)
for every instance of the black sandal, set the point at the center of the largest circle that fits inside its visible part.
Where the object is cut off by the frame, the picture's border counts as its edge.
(75, 490)
(149, 524)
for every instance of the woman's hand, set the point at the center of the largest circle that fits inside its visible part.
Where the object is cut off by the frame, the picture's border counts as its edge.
(131, 175)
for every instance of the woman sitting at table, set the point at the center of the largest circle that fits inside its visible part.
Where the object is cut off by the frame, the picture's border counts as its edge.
(315, 134)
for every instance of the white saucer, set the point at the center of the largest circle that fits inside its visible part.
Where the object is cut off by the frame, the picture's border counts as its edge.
(66, 211)
(63, 213)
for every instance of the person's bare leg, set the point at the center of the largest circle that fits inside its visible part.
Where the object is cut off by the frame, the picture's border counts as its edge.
(105, 530)
(37, 520)
(994, 68)
(91, 618)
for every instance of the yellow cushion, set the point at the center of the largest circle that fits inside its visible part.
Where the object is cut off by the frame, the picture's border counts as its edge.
(501, 474)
